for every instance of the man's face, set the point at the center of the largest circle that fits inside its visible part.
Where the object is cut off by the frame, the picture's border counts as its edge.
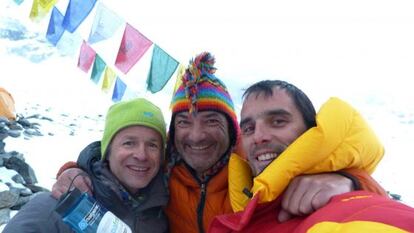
(201, 140)
(135, 156)
(269, 125)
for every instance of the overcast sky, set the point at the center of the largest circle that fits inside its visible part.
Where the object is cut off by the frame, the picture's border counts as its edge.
(347, 46)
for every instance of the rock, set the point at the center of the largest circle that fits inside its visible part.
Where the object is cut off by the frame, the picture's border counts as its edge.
(32, 132)
(22, 168)
(20, 202)
(35, 188)
(4, 120)
(14, 133)
(8, 198)
(25, 192)
(47, 119)
(395, 196)
(8, 155)
(25, 123)
(37, 116)
(17, 155)
(2, 145)
(35, 125)
(14, 126)
(18, 179)
(3, 133)
(5, 156)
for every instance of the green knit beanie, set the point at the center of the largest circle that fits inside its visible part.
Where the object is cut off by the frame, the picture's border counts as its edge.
(123, 114)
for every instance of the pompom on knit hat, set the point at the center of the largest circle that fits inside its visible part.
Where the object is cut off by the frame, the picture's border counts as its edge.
(201, 90)
(133, 112)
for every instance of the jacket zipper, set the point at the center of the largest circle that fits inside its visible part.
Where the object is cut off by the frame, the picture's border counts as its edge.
(200, 208)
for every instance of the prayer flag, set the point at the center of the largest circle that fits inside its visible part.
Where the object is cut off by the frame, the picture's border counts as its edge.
(161, 70)
(86, 57)
(178, 80)
(133, 47)
(105, 24)
(76, 12)
(98, 68)
(55, 29)
(47, 4)
(119, 90)
(108, 80)
(18, 2)
(40, 8)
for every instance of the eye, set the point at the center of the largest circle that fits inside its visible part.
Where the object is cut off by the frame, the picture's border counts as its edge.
(128, 143)
(247, 129)
(153, 145)
(212, 121)
(279, 122)
(182, 123)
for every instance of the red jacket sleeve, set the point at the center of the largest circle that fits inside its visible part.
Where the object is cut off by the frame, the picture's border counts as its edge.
(365, 181)
(66, 166)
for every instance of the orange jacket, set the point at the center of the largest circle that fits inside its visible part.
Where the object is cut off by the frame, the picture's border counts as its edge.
(183, 209)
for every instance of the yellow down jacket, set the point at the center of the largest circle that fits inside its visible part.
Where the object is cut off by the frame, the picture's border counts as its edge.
(342, 139)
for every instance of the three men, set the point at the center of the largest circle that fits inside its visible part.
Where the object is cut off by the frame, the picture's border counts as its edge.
(202, 137)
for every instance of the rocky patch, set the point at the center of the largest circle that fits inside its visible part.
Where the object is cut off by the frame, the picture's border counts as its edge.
(17, 179)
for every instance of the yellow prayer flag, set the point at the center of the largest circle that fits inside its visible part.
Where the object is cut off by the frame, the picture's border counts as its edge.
(178, 80)
(108, 80)
(40, 8)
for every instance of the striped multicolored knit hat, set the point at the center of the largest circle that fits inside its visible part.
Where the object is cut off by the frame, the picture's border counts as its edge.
(201, 90)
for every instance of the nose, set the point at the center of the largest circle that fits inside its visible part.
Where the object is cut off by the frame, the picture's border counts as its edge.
(196, 132)
(261, 134)
(140, 152)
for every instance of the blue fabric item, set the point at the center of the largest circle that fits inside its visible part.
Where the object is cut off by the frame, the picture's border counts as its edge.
(55, 29)
(105, 24)
(76, 12)
(119, 90)
(18, 2)
(162, 68)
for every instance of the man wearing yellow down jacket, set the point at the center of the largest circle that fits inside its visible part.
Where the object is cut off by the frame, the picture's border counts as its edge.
(281, 140)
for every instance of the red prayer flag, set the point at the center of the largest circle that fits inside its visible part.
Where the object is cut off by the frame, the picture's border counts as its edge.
(133, 47)
(86, 57)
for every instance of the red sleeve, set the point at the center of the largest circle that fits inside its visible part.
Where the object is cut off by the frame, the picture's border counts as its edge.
(66, 166)
(366, 182)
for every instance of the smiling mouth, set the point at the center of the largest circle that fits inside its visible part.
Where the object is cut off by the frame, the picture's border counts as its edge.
(138, 169)
(266, 157)
(200, 148)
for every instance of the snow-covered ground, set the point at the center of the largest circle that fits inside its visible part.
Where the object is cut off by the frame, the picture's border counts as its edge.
(44, 80)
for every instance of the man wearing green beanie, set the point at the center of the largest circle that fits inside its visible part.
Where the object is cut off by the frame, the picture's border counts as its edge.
(124, 114)
(124, 168)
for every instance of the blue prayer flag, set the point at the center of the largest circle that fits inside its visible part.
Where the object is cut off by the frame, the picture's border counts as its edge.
(76, 12)
(55, 29)
(119, 90)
